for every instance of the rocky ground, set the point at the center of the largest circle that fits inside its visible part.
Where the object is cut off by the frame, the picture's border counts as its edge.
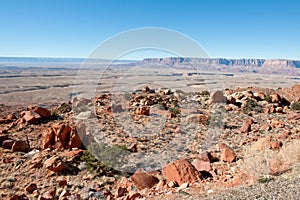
(232, 144)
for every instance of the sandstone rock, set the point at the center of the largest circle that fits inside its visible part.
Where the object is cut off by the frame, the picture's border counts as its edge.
(11, 117)
(196, 118)
(31, 187)
(279, 110)
(201, 165)
(120, 191)
(172, 184)
(222, 146)
(143, 110)
(2, 138)
(143, 180)
(260, 96)
(275, 98)
(275, 145)
(19, 197)
(55, 164)
(75, 141)
(132, 195)
(276, 123)
(72, 154)
(48, 138)
(228, 155)
(231, 100)
(31, 117)
(49, 195)
(20, 146)
(146, 89)
(181, 171)
(262, 144)
(7, 144)
(41, 111)
(228, 108)
(217, 97)
(265, 127)
(247, 125)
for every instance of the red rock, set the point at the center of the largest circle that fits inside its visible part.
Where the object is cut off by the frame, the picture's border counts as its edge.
(72, 154)
(124, 182)
(201, 165)
(62, 183)
(228, 155)
(41, 111)
(284, 135)
(2, 138)
(31, 187)
(75, 141)
(231, 100)
(275, 98)
(143, 180)
(172, 184)
(228, 108)
(222, 146)
(7, 144)
(217, 97)
(133, 148)
(19, 197)
(11, 117)
(279, 110)
(132, 195)
(265, 127)
(120, 191)
(196, 118)
(181, 171)
(143, 110)
(20, 146)
(275, 145)
(246, 126)
(262, 144)
(146, 89)
(62, 133)
(48, 138)
(49, 195)
(276, 123)
(31, 117)
(55, 164)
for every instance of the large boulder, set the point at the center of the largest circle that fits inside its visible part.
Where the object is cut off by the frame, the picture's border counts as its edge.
(181, 171)
(143, 180)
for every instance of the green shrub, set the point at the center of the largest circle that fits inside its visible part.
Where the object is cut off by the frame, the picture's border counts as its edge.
(295, 105)
(109, 156)
(268, 99)
(162, 106)
(251, 105)
(175, 111)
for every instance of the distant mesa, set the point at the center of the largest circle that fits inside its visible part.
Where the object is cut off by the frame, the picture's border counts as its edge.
(273, 66)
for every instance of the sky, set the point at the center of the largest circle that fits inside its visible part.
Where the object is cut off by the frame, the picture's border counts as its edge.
(224, 28)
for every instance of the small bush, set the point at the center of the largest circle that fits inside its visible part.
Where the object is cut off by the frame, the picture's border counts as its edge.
(205, 93)
(251, 105)
(268, 99)
(295, 105)
(175, 111)
(162, 106)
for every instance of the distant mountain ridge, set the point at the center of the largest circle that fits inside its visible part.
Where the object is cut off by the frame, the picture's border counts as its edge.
(227, 62)
(265, 66)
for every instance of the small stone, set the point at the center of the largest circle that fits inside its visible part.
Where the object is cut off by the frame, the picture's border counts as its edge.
(143, 180)
(182, 187)
(228, 155)
(31, 117)
(31, 187)
(120, 191)
(55, 164)
(21, 146)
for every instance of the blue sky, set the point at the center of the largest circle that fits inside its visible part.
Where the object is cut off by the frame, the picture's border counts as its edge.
(73, 28)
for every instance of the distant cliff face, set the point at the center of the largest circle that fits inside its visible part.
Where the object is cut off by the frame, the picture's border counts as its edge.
(240, 65)
(227, 62)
